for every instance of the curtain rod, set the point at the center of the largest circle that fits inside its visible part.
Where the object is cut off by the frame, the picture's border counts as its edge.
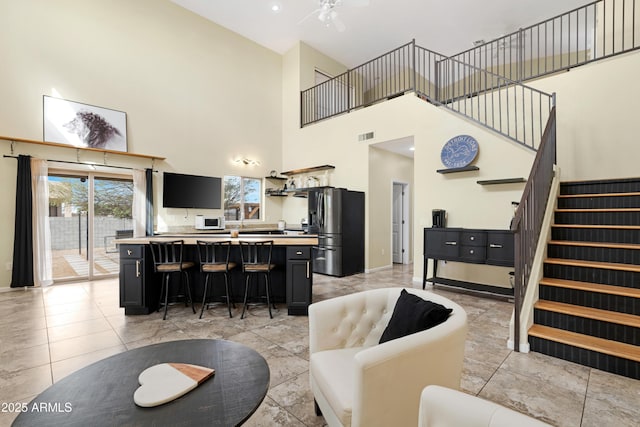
(81, 163)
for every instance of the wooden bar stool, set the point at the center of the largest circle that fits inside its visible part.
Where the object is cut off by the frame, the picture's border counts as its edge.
(256, 261)
(214, 260)
(167, 259)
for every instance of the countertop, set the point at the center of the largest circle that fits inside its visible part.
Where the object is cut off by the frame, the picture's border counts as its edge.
(190, 239)
(247, 230)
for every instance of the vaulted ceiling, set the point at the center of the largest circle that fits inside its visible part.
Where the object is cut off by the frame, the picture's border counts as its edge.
(373, 27)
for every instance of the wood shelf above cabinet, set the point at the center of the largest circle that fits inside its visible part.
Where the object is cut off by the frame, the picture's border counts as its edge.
(454, 170)
(97, 150)
(308, 170)
(276, 178)
(501, 181)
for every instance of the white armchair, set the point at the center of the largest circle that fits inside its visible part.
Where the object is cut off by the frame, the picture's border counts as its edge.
(441, 407)
(358, 382)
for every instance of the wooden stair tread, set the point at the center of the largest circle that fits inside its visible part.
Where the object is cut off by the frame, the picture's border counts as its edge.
(577, 196)
(612, 348)
(589, 313)
(598, 210)
(591, 287)
(594, 264)
(598, 226)
(595, 244)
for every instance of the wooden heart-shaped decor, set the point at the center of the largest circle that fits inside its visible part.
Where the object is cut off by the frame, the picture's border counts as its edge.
(167, 381)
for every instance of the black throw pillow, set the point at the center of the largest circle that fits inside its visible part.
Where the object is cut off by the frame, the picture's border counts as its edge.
(413, 314)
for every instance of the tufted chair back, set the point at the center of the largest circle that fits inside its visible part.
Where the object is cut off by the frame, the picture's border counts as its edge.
(354, 379)
(360, 319)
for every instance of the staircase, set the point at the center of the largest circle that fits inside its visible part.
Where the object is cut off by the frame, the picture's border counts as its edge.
(589, 306)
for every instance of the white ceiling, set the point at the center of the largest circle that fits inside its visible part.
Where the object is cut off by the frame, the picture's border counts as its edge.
(447, 27)
(403, 146)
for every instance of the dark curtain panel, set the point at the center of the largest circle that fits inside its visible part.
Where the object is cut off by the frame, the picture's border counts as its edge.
(22, 274)
(149, 202)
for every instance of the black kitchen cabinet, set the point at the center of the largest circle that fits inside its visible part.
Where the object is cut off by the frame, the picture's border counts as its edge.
(136, 267)
(299, 279)
(291, 280)
(492, 247)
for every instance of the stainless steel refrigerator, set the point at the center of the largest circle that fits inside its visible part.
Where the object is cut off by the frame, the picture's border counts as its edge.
(337, 216)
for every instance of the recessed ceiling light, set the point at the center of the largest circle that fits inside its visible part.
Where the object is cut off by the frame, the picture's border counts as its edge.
(276, 7)
(412, 148)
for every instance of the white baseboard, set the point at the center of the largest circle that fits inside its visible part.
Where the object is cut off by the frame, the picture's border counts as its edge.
(524, 347)
(373, 270)
(22, 288)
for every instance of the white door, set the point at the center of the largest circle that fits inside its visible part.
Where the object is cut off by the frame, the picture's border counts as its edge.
(398, 223)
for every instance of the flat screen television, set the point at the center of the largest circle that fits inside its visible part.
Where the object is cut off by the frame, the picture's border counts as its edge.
(191, 191)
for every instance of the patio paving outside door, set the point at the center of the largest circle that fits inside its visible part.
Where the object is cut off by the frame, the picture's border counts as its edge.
(86, 214)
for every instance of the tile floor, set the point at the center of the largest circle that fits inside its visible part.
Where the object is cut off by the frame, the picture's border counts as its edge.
(47, 334)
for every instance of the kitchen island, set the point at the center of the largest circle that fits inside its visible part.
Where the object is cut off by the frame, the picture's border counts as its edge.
(291, 280)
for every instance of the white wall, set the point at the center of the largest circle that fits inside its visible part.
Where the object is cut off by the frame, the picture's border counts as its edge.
(597, 128)
(193, 92)
(200, 95)
(598, 106)
(470, 205)
(386, 168)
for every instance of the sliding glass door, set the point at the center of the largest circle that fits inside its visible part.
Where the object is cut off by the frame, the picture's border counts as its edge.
(87, 212)
(112, 218)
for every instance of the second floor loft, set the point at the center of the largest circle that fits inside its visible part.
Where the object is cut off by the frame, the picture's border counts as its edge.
(487, 82)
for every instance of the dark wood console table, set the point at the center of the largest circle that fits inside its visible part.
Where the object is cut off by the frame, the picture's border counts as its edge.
(491, 247)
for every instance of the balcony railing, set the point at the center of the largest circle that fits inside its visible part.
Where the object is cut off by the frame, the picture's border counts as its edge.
(508, 107)
(485, 83)
(588, 33)
(381, 78)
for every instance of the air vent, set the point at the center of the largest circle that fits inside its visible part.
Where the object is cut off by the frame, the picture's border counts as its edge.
(365, 136)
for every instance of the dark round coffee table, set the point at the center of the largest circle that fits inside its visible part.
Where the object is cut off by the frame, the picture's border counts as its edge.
(101, 394)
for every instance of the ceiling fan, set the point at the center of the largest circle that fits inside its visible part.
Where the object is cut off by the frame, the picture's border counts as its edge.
(328, 12)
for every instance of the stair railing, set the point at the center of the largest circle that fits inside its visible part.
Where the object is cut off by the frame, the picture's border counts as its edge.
(498, 103)
(595, 31)
(509, 108)
(527, 223)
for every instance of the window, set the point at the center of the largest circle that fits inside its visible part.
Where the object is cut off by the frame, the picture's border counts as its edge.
(242, 198)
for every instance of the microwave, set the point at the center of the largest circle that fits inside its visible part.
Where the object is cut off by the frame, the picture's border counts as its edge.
(209, 222)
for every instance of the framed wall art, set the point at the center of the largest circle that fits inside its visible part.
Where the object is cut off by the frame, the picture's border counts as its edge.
(84, 125)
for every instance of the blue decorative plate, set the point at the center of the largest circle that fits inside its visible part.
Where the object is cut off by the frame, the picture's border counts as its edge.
(459, 151)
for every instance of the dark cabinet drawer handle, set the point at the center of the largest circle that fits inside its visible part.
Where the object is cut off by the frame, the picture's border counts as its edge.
(493, 245)
(471, 251)
(298, 252)
(129, 252)
(472, 238)
(451, 243)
